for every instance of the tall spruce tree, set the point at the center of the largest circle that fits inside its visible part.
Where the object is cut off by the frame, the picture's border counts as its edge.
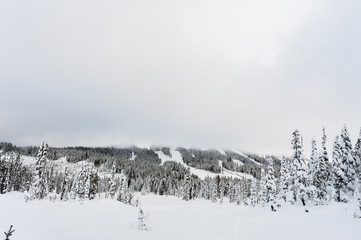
(187, 186)
(65, 186)
(92, 183)
(253, 196)
(322, 173)
(349, 164)
(39, 187)
(271, 183)
(263, 188)
(299, 190)
(357, 156)
(314, 162)
(283, 184)
(338, 176)
(112, 182)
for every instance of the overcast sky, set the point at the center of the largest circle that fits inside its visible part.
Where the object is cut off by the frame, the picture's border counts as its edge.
(209, 74)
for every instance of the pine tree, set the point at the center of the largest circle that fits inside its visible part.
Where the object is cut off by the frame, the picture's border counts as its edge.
(92, 183)
(349, 164)
(187, 186)
(263, 188)
(314, 160)
(16, 180)
(299, 190)
(79, 188)
(39, 187)
(3, 174)
(65, 186)
(221, 190)
(112, 182)
(357, 156)
(321, 179)
(253, 196)
(231, 194)
(357, 196)
(213, 190)
(338, 176)
(283, 186)
(245, 191)
(124, 194)
(271, 183)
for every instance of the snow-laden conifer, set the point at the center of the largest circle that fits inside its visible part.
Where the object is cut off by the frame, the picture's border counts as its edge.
(300, 181)
(263, 188)
(349, 164)
(338, 176)
(112, 182)
(186, 195)
(322, 175)
(64, 195)
(357, 156)
(271, 183)
(253, 196)
(283, 184)
(39, 186)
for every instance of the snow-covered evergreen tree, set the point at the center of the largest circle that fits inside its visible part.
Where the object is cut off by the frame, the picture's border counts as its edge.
(124, 195)
(3, 174)
(338, 176)
(271, 183)
(253, 196)
(357, 156)
(314, 160)
(221, 190)
(92, 183)
(213, 190)
(299, 190)
(39, 187)
(321, 178)
(231, 193)
(283, 184)
(357, 196)
(112, 182)
(312, 170)
(79, 189)
(349, 164)
(263, 188)
(238, 193)
(187, 186)
(65, 186)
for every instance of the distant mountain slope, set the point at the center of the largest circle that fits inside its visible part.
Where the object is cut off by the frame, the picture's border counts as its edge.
(209, 160)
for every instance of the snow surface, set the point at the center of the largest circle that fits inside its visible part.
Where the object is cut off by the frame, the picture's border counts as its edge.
(172, 218)
(238, 162)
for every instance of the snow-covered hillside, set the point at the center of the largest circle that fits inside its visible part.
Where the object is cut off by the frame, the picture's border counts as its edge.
(176, 156)
(172, 218)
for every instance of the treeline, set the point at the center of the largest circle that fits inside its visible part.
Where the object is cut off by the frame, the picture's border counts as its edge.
(202, 159)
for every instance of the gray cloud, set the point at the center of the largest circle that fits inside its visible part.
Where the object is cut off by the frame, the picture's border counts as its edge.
(230, 74)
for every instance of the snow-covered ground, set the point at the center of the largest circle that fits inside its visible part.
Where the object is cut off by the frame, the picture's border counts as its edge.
(172, 218)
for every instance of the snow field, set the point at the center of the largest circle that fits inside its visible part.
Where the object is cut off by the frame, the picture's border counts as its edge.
(172, 218)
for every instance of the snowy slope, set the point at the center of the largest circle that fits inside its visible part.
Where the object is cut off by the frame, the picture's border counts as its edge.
(176, 156)
(172, 218)
(243, 155)
(238, 162)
